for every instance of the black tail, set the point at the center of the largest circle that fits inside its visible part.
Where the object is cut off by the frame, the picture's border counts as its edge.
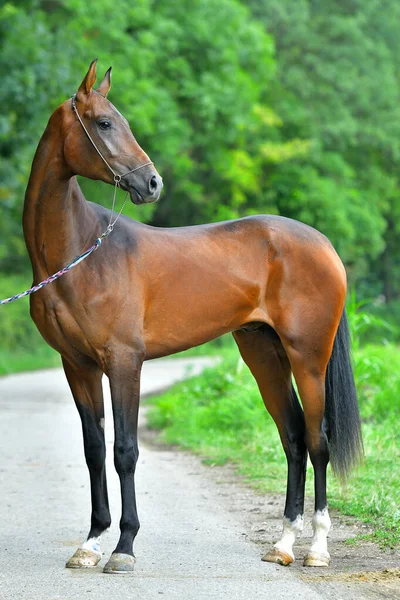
(341, 412)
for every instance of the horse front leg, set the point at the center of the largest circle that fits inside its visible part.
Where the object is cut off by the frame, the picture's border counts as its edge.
(85, 384)
(124, 378)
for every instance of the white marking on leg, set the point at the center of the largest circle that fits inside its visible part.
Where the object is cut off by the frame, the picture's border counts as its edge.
(291, 529)
(102, 423)
(93, 544)
(321, 524)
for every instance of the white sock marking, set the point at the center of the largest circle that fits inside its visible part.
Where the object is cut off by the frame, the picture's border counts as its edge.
(321, 524)
(93, 544)
(291, 529)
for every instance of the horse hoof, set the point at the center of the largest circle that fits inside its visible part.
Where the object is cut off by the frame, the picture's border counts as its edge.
(278, 557)
(120, 563)
(83, 559)
(316, 559)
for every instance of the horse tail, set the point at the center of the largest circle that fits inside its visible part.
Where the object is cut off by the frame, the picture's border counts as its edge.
(341, 408)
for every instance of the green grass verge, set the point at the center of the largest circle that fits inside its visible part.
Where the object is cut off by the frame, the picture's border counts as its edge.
(220, 416)
(41, 357)
(21, 346)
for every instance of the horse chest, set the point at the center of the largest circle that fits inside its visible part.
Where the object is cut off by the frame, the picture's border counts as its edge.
(61, 327)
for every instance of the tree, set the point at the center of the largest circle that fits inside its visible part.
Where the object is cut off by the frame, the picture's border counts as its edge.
(186, 75)
(337, 86)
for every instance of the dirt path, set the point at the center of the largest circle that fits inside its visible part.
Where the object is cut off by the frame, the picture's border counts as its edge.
(360, 570)
(202, 534)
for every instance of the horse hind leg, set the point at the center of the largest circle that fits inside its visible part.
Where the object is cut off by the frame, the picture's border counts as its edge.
(310, 379)
(266, 358)
(85, 384)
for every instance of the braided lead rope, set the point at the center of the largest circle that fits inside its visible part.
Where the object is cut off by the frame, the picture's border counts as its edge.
(74, 262)
(52, 278)
(108, 230)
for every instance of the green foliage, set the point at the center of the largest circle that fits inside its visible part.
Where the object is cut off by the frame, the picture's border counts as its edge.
(21, 346)
(39, 356)
(17, 331)
(286, 106)
(366, 324)
(337, 86)
(211, 417)
(378, 380)
(388, 313)
(377, 371)
(186, 75)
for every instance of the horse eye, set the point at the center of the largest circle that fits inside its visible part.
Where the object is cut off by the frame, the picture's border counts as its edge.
(104, 125)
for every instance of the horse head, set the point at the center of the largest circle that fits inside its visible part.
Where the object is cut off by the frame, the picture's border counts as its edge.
(99, 143)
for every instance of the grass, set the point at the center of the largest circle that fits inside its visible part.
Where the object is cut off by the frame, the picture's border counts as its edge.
(220, 416)
(40, 357)
(21, 346)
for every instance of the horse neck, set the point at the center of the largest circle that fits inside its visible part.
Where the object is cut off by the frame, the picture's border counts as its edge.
(57, 220)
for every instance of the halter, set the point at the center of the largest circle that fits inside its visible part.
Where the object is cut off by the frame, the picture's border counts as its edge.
(117, 178)
(106, 232)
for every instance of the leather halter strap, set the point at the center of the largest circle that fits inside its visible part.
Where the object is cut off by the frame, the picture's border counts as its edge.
(117, 177)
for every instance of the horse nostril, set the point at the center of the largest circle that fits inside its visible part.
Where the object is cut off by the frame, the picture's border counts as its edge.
(153, 184)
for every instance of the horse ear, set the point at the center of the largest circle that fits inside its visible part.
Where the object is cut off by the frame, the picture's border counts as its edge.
(86, 86)
(105, 85)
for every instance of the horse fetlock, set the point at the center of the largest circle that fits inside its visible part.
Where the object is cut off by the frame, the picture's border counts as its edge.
(318, 555)
(321, 524)
(282, 551)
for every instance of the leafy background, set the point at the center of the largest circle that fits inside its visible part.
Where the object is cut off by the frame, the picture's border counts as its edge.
(277, 106)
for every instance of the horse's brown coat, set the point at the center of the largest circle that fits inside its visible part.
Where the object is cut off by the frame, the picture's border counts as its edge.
(149, 292)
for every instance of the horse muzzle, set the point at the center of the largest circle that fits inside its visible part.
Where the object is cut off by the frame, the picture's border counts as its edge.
(144, 189)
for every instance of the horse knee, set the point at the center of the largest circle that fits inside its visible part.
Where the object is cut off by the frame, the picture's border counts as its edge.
(95, 454)
(125, 457)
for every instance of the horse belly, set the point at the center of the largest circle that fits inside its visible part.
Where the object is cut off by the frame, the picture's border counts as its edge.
(198, 309)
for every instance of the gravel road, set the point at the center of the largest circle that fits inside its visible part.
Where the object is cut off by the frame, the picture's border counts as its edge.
(191, 545)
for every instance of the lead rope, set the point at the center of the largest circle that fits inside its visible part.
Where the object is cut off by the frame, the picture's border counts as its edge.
(106, 232)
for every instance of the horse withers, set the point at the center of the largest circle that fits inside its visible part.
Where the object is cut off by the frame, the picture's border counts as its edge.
(276, 284)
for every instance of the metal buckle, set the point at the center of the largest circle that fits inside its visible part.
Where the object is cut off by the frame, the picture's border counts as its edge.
(73, 102)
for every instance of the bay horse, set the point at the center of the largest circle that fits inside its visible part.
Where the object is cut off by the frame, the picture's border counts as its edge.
(276, 284)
